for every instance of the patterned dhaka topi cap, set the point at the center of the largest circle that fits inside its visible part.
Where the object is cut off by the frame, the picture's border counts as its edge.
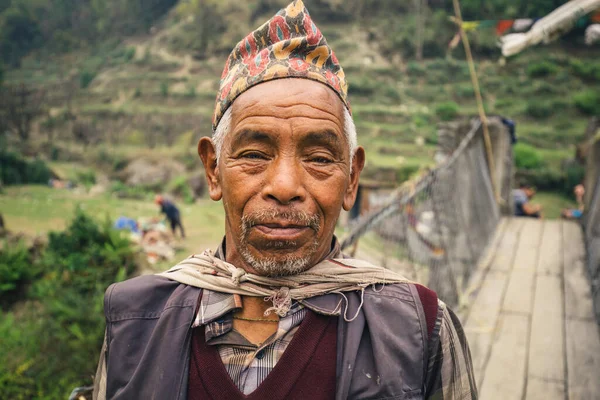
(289, 45)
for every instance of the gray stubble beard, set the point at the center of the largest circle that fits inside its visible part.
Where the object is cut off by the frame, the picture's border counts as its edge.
(289, 264)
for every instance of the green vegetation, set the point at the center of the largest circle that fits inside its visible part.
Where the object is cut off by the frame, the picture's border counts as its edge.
(447, 111)
(542, 69)
(59, 329)
(527, 157)
(588, 102)
(588, 71)
(553, 203)
(180, 188)
(164, 89)
(15, 270)
(14, 169)
(131, 76)
(36, 210)
(85, 78)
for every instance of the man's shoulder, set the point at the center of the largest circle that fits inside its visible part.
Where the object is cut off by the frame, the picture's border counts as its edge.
(406, 288)
(146, 296)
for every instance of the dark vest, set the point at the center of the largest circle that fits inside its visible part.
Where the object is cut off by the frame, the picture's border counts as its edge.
(305, 371)
(381, 354)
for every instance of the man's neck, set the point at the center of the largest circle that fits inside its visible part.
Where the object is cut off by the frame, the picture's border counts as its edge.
(251, 321)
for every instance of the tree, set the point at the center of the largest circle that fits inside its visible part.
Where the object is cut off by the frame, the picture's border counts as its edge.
(19, 34)
(85, 133)
(20, 105)
(49, 125)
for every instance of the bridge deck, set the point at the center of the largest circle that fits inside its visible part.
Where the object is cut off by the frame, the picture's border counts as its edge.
(530, 323)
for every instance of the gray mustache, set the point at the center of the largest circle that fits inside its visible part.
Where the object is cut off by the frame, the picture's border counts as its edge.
(293, 217)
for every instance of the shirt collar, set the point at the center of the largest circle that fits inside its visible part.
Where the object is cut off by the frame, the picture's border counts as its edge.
(215, 305)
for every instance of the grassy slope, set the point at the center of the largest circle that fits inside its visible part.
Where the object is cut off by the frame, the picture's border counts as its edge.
(39, 209)
(393, 105)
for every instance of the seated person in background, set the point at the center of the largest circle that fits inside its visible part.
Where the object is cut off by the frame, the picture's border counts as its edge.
(523, 206)
(575, 213)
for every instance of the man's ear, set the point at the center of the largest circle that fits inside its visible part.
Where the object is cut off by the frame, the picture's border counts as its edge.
(208, 154)
(358, 163)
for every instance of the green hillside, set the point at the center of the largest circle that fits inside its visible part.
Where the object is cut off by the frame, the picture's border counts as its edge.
(156, 89)
(113, 95)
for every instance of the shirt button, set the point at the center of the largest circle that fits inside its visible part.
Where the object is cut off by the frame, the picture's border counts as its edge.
(260, 354)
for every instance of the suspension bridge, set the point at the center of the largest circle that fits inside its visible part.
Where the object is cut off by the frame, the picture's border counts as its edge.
(525, 289)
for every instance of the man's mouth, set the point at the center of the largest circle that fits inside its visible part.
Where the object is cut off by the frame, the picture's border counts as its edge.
(281, 230)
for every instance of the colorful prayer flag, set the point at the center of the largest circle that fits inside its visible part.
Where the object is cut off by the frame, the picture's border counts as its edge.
(504, 25)
(470, 25)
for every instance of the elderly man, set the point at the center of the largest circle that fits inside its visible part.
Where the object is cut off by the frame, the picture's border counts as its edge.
(277, 312)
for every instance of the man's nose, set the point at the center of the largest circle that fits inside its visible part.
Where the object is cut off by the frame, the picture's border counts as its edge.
(284, 181)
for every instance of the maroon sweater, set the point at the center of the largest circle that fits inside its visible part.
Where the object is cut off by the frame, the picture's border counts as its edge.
(306, 370)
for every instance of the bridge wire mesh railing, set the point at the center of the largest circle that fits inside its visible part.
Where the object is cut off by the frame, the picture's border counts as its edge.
(443, 222)
(591, 223)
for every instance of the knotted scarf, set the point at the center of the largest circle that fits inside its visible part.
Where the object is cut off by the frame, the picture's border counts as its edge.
(329, 276)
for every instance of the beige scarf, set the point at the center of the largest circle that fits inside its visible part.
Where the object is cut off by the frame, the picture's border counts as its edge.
(329, 276)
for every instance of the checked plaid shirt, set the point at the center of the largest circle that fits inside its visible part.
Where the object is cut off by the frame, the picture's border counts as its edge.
(449, 373)
(247, 364)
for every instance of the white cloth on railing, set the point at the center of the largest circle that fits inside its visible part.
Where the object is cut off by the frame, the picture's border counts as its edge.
(592, 34)
(548, 28)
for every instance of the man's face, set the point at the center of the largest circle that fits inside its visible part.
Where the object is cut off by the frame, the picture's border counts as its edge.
(529, 192)
(283, 174)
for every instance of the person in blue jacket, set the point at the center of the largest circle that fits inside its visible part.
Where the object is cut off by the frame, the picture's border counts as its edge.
(172, 213)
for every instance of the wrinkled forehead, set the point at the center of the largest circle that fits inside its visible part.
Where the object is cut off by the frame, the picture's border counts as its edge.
(289, 98)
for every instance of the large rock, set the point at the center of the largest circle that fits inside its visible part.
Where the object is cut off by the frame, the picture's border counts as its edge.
(152, 172)
(197, 184)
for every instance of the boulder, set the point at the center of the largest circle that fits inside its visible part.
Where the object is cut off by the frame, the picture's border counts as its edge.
(151, 172)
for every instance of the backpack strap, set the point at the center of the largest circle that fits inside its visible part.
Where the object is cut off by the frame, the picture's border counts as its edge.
(429, 300)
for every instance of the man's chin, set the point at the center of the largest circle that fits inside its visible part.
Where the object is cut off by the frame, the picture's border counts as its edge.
(278, 260)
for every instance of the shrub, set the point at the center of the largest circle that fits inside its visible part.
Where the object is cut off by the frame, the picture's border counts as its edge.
(54, 343)
(86, 178)
(85, 78)
(527, 157)
(574, 175)
(191, 92)
(16, 269)
(421, 120)
(544, 179)
(129, 54)
(464, 91)
(124, 191)
(539, 109)
(541, 69)
(137, 93)
(363, 87)
(588, 71)
(588, 102)
(405, 172)
(447, 111)
(164, 89)
(179, 187)
(415, 68)
(392, 93)
(15, 170)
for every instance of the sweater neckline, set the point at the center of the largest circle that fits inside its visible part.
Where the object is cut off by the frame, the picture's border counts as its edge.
(280, 380)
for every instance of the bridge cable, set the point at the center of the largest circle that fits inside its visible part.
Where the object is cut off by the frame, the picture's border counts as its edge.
(475, 81)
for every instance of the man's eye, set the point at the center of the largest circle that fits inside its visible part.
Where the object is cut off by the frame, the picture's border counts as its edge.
(321, 160)
(254, 156)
